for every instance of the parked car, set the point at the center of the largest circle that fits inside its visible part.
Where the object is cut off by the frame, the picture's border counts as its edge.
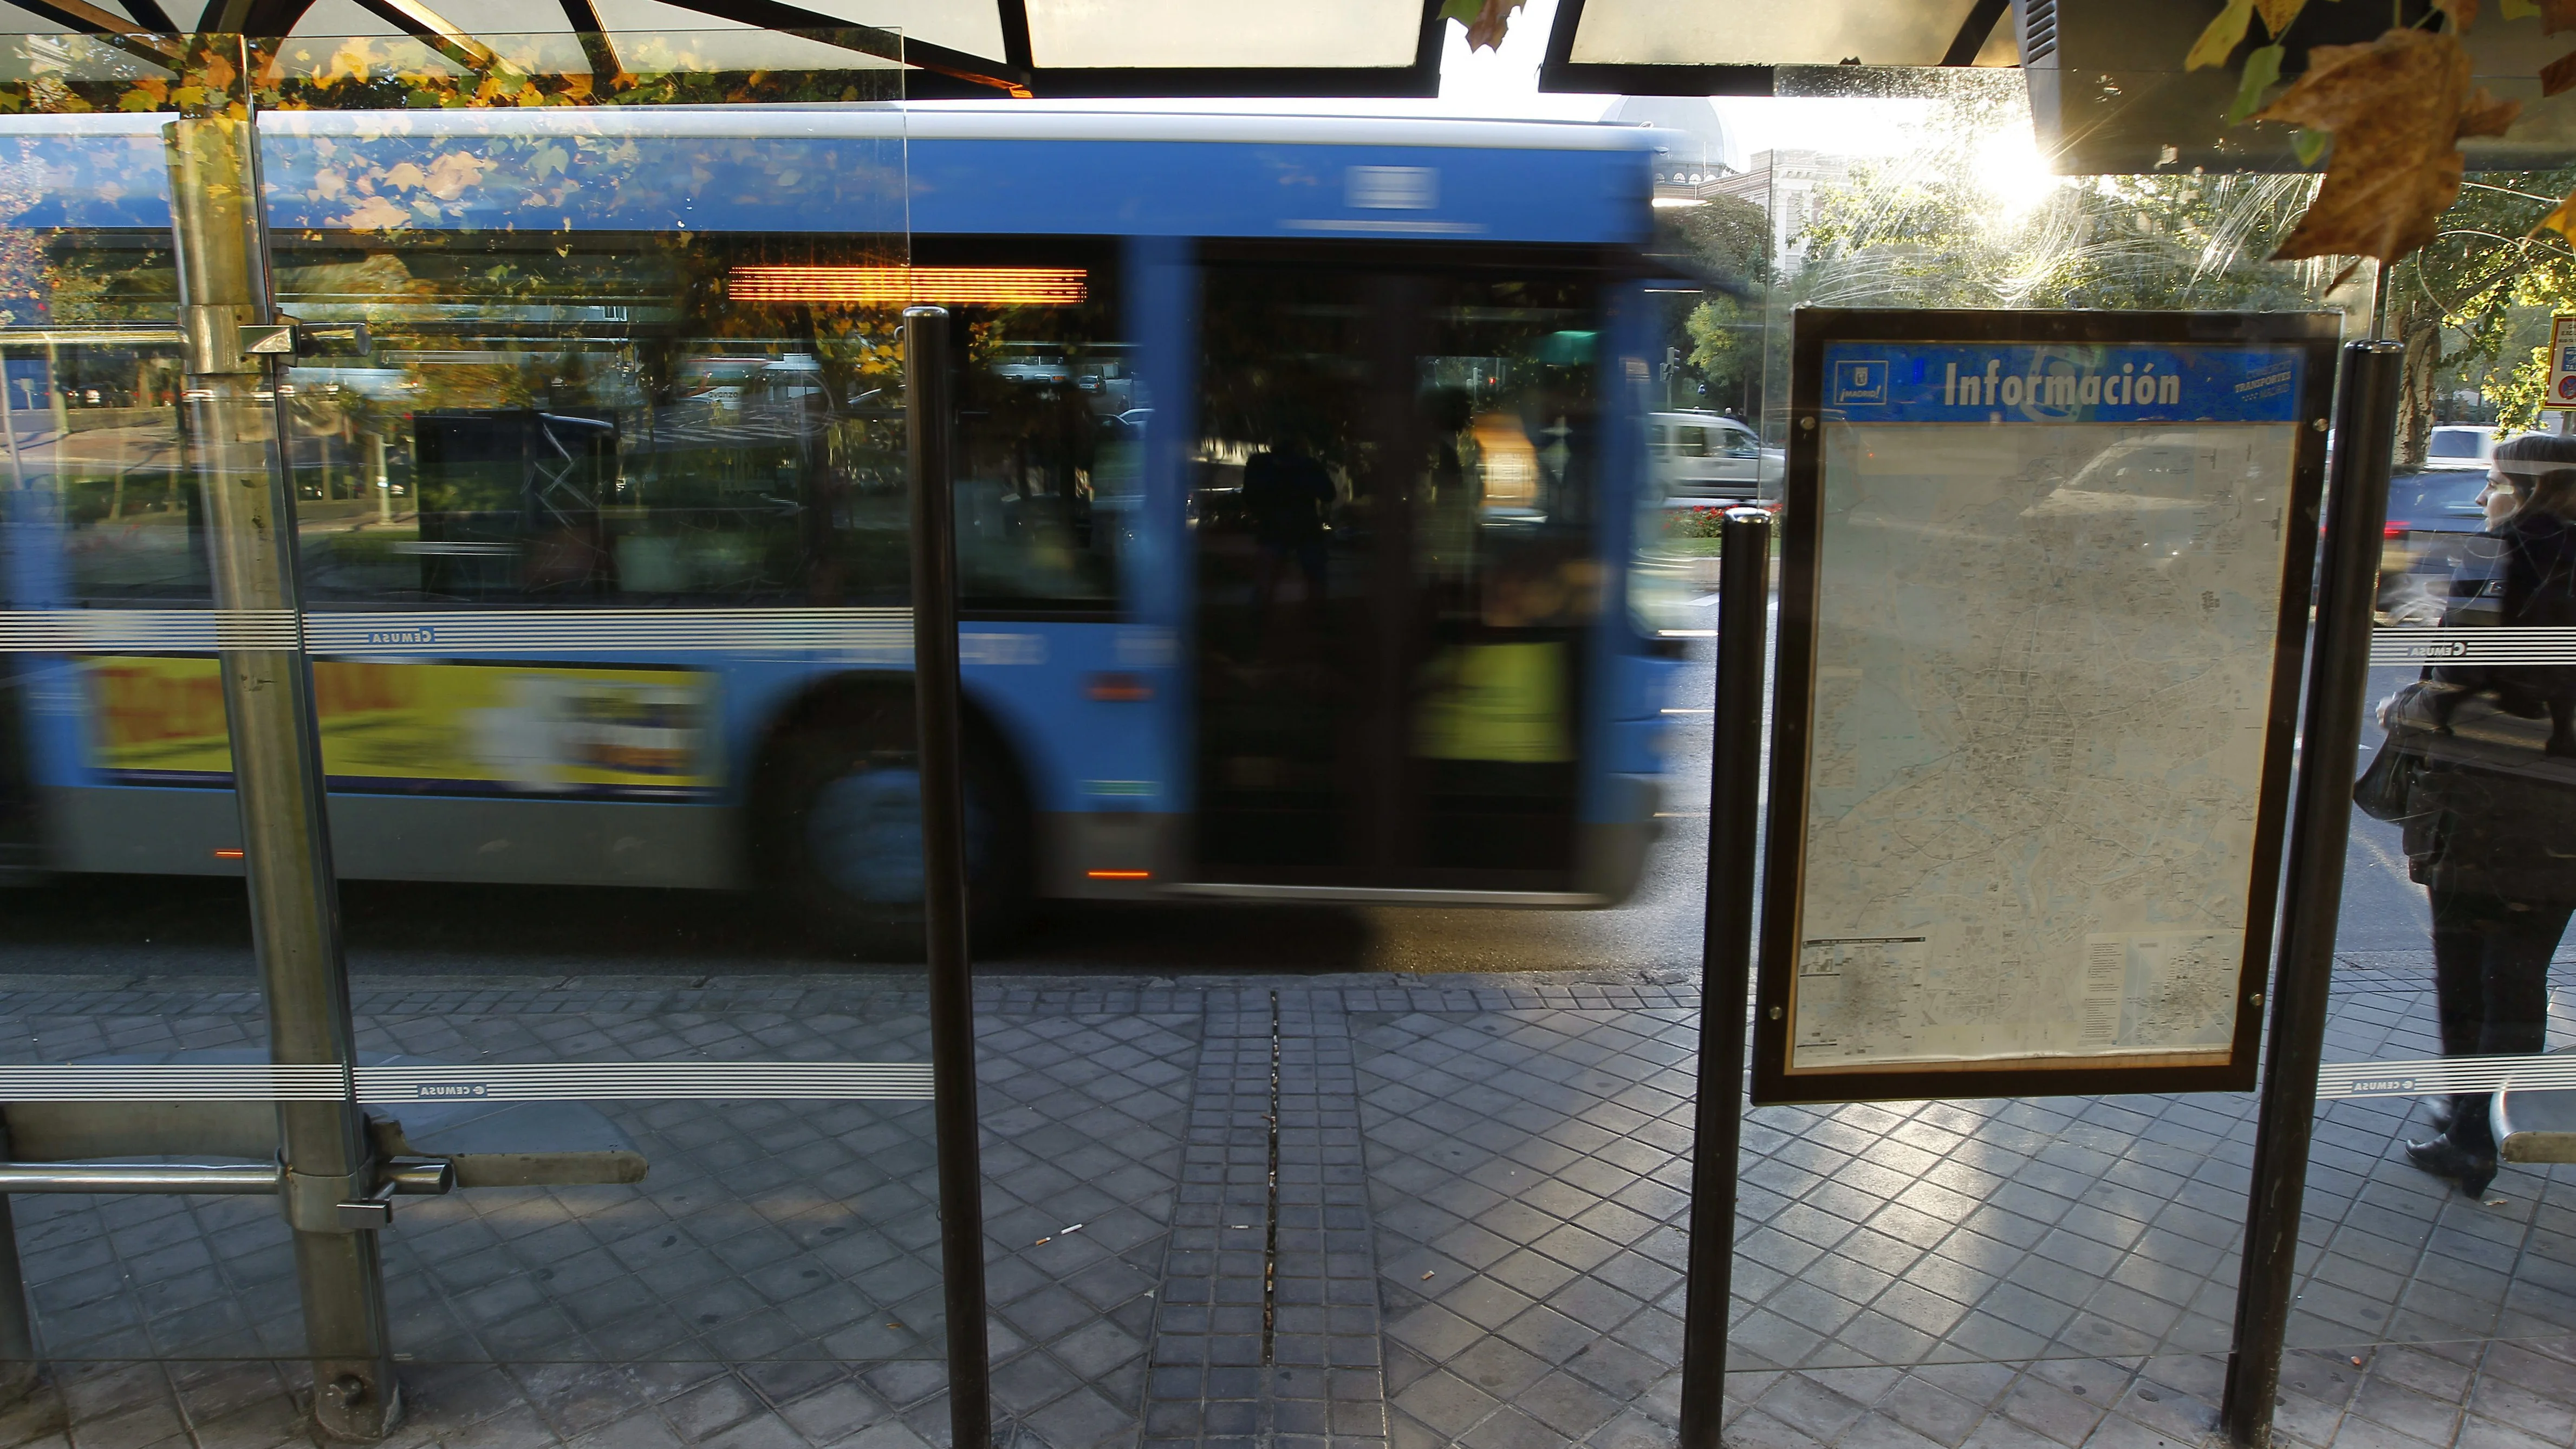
(1696, 456)
(2430, 517)
(2461, 446)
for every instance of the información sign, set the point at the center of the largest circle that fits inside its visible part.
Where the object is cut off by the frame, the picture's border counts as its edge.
(2043, 600)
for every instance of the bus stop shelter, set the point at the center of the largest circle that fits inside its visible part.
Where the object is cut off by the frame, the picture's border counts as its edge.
(2102, 104)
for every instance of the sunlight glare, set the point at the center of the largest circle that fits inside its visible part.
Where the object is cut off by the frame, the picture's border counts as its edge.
(2010, 170)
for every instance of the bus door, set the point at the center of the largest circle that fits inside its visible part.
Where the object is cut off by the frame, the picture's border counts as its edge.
(1393, 511)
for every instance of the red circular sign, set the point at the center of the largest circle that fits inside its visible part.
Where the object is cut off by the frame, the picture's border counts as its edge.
(2567, 387)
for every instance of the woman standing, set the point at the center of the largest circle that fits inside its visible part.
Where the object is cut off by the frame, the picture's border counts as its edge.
(2490, 829)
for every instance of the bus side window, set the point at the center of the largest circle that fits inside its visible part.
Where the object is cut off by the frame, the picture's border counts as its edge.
(509, 503)
(1051, 425)
(749, 456)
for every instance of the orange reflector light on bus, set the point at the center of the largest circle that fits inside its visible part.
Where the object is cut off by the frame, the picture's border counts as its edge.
(228, 855)
(1120, 874)
(1119, 689)
(954, 286)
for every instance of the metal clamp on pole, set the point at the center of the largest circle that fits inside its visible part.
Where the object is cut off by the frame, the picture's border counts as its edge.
(2330, 739)
(315, 339)
(376, 1209)
(1726, 965)
(929, 415)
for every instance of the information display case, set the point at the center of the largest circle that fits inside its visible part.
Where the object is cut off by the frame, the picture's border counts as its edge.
(2044, 597)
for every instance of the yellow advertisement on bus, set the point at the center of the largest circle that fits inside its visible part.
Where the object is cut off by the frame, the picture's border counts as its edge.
(433, 727)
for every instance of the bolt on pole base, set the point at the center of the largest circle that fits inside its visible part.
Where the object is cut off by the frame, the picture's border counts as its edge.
(356, 1397)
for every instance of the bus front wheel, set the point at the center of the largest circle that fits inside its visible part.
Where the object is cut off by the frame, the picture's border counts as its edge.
(840, 830)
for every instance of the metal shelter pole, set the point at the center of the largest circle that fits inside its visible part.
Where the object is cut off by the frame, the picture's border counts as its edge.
(236, 427)
(18, 1366)
(1726, 967)
(2365, 432)
(929, 419)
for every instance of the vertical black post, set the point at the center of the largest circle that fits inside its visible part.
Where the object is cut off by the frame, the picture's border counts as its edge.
(1726, 967)
(929, 418)
(2330, 736)
(18, 1366)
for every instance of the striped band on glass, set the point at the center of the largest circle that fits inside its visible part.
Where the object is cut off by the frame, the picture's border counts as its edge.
(2473, 646)
(694, 1081)
(879, 1081)
(516, 1082)
(155, 631)
(178, 1082)
(2437, 1075)
(871, 634)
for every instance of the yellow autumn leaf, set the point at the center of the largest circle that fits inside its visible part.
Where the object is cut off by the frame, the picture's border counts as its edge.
(2561, 221)
(2222, 36)
(453, 172)
(374, 213)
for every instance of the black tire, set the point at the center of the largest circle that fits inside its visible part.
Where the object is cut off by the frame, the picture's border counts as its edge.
(837, 828)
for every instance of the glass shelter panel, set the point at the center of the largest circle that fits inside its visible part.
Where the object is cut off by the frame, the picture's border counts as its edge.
(2436, 1206)
(2067, 1266)
(1972, 1270)
(600, 598)
(1338, 513)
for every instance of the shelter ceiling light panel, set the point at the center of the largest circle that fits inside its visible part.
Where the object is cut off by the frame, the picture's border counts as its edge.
(1178, 34)
(974, 29)
(1651, 32)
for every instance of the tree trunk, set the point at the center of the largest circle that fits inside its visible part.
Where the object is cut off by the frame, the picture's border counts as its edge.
(2418, 324)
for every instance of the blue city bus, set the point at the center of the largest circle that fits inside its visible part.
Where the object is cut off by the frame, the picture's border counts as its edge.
(1301, 468)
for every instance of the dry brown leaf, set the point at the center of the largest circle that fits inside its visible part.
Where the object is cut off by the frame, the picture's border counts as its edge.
(2557, 15)
(1493, 21)
(2277, 14)
(2485, 114)
(2558, 75)
(2463, 13)
(2398, 108)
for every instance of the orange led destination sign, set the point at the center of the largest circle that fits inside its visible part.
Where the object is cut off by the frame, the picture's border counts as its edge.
(953, 286)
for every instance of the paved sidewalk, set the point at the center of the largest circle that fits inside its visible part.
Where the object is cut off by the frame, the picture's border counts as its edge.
(1308, 1212)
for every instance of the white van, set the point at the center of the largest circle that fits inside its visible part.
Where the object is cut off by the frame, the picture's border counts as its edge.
(2464, 446)
(1702, 455)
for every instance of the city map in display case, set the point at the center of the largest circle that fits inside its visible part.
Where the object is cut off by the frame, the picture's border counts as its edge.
(2041, 611)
